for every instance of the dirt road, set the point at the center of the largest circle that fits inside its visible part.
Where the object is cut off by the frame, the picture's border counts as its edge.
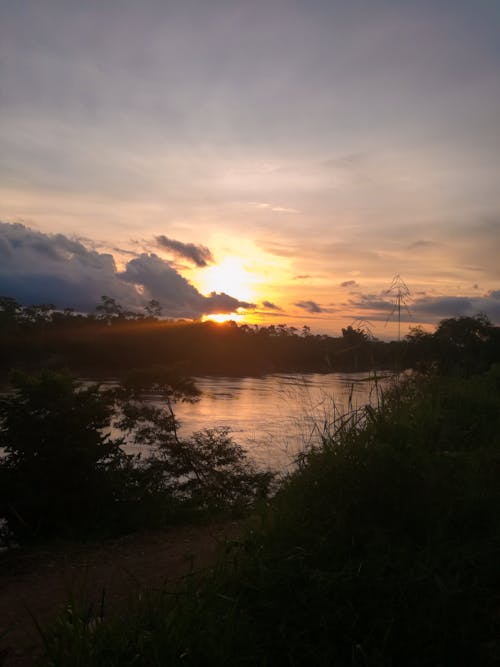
(37, 584)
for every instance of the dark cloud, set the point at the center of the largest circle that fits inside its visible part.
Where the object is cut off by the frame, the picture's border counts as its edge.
(43, 268)
(122, 251)
(311, 307)
(456, 306)
(372, 302)
(271, 305)
(198, 254)
(302, 276)
(37, 268)
(220, 302)
(349, 283)
(433, 308)
(177, 296)
(162, 282)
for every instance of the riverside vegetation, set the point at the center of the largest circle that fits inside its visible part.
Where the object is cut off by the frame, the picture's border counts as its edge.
(380, 549)
(112, 340)
(63, 473)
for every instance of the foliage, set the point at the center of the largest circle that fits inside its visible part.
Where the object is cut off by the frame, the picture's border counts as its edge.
(108, 309)
(206, 470)
(459, 346)
(169, 382)
(211, 471)
(64, 472)
(114, 339)
(381, 549)
(57, 451)
(463, 344)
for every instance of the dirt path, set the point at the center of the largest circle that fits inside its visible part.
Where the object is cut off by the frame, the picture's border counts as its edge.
(39, 583)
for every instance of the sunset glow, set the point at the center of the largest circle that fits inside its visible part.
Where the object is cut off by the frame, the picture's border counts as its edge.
(229, 276)
(220, 318)
(262, 159)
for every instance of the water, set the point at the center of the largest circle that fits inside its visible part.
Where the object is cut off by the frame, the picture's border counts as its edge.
(274, 416)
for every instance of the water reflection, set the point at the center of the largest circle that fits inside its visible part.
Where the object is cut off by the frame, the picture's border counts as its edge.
(274, 416)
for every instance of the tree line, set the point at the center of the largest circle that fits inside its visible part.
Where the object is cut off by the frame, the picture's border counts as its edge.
(112, 340)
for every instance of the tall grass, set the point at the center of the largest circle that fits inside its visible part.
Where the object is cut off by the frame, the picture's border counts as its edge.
(381, 549)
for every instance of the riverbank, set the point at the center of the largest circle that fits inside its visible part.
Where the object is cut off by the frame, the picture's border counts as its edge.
(101, 578)
(85, 344)
(381, 549)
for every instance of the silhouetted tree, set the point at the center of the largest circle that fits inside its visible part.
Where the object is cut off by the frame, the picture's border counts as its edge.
(462, 344)
(153, 309)
(55, 434)
(109, 309)
(354, 337)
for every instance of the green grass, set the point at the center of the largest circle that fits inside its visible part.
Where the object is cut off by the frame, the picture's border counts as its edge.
(382, 549)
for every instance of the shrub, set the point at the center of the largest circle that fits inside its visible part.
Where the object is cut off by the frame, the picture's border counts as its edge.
(380, 550)
(59, 453)
(64, 472)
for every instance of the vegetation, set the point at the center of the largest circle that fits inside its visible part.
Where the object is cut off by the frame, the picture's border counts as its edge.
(459, 346)
(65, 472)
(381, 549)
(112, 341)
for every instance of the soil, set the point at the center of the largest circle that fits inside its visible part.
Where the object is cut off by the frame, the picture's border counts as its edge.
(37, 584)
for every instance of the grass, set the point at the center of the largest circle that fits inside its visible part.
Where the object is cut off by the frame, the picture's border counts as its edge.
(382, 549)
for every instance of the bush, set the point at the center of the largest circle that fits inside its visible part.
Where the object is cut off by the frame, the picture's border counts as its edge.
(380, 550)
(59, 455)
(64, 472)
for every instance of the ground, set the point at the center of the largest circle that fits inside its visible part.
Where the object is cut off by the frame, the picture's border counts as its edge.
(36, 584)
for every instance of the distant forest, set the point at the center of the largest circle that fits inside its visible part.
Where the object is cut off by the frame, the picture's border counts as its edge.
(113, 340)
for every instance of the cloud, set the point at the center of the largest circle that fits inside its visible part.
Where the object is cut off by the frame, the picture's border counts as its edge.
(162, 282)
(279, 249)
(275, 209)
(372, 302)
(220, 302)
(422, 244)
(455, 306)
(349, 283)
(433, 308)
(311, 307)
(43, 268)
(271, 305)
(198, 254)
(177, 296)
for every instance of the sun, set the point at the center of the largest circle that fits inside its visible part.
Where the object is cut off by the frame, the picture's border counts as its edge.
(242, 277)
(220, 318)
(230, 277)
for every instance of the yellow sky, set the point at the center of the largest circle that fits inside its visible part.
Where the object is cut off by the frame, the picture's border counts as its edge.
(315, 154)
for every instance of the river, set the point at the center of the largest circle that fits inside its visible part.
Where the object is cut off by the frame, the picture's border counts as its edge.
(275, 416)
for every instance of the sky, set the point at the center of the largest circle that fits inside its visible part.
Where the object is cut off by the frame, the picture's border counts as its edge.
(274, 161)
